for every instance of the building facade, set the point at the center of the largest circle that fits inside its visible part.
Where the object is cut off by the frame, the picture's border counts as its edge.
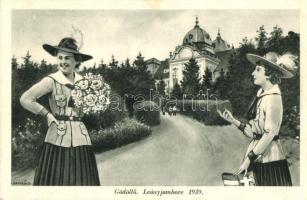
(196, 43)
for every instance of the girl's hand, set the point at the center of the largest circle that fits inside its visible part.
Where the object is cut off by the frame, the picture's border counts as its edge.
(51, 118)
(243, 167)
(227, 115)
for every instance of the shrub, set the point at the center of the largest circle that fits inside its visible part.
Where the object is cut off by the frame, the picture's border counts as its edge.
(124, 132)
(147, 112)
(291, 123)
(204, 110)
(107, 118)
(27, 140)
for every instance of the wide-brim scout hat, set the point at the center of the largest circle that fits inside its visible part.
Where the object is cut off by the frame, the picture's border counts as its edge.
(68, 45)
(284, 64)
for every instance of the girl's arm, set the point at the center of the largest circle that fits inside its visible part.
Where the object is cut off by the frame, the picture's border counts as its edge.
(245, 128)
(248, 129)
(29, 97)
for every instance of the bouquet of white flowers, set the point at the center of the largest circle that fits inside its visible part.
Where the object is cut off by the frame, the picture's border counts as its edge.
(91, 94)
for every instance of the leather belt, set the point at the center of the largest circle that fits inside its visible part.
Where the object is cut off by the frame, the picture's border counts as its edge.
(259, 136)
(68, 118)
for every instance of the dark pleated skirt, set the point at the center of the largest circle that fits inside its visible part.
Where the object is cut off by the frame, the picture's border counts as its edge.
(66, 166)
(274, 173)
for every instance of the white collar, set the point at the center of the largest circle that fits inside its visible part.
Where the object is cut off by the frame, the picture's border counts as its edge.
(61, 78)
(274, 90)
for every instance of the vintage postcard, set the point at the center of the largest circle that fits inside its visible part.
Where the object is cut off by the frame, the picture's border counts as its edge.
(152, 100)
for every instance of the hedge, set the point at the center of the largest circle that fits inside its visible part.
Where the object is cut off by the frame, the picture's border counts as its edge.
(28, 140)
(147, 112)
(204, 110)
(124, 132)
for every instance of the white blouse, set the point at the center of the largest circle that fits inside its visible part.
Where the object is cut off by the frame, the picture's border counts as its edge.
(67, 133)
(266, 123)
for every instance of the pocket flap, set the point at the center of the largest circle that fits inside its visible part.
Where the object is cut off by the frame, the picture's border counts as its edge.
(61, 128)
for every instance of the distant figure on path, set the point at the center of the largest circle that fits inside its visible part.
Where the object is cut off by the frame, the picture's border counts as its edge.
(174, 110)
(170, 110)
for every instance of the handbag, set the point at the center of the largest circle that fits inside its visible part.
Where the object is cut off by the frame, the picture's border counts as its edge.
(230, 179)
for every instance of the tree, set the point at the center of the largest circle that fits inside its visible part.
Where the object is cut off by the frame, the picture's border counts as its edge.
(102, 68)
(239, 80)
(112, 74)
(191, 82)
(139, 62)
(15, 90)
(261, 40)
(45, 68)
(14, 63)
(138, 81)
(122, 65)
(176, 92)
(244, 41)
(240, 86)
(275, 40)
(292, 43)
(127, 63)
(23, 77)
(161, 87)
(207, 78)
(130, 81)
(114, 63)
(27, 62)
(221, 87)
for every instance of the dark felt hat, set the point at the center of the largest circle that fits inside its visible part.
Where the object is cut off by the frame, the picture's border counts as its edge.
(68, 45)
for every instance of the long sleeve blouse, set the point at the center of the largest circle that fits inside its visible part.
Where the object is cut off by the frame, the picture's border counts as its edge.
(69, 132)
(266, 124)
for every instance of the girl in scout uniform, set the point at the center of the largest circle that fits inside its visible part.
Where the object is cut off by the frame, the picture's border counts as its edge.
(264, 156)
(67, 156)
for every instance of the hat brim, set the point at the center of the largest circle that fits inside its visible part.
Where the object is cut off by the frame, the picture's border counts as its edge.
(53, 50)
(254, 59)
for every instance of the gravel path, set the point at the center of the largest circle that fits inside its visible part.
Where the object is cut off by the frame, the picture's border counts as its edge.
(181, 151)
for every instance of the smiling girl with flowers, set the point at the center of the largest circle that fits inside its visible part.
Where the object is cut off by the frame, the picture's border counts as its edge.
(67, 157)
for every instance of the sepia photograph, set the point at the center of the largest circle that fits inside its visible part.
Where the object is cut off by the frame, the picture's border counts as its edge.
(154, 102)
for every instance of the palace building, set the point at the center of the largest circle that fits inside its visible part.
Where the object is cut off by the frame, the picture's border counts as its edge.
(198, 44)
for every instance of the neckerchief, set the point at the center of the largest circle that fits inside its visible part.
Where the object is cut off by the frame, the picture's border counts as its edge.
(252, 109)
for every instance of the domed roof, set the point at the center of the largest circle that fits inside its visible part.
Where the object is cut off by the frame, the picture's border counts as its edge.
(219, 44)
(197, 34)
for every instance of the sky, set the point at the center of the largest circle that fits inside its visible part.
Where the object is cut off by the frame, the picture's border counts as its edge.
(125, 33)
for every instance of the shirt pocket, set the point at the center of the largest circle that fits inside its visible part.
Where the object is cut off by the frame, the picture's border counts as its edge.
(83, 129)
(60, 100)
(61, 128)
